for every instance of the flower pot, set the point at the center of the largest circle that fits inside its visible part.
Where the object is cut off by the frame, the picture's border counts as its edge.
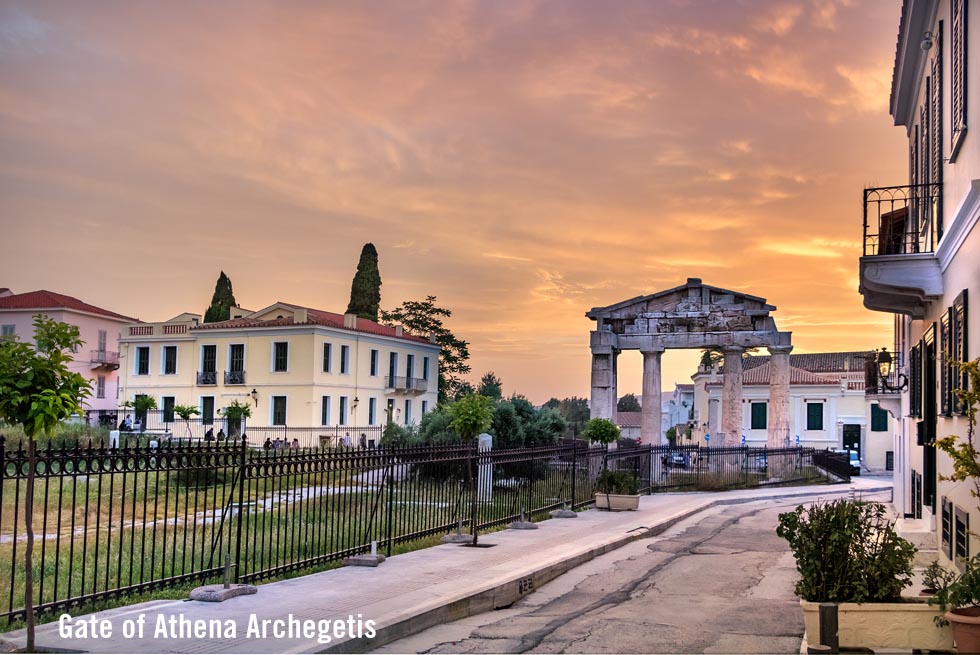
(966, 628)
(617, 502)
(905, 624)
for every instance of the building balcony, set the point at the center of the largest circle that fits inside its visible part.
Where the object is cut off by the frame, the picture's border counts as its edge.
(234, 377)
(105, 359)
(899, 272)
(406, 385)
(208, 378)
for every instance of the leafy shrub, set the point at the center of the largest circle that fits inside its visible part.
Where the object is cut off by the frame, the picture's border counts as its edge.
(601, 430)
(617, 482)
(847, 552)
(962, 591)
(937, 577)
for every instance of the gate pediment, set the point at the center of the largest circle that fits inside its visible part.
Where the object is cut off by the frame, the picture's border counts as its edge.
(691, 307)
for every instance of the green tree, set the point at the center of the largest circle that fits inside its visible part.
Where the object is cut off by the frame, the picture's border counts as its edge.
(365, 288)
(574, 409)
(235, 412)
(461, 390)
(601, 430)
(525, 410)
(962, 450)
(546, 428)
(471, 416)
(491, 386)
(221, 302)
(424, 319)
(507, 426)
(38, 391)
(628, 403)
(185, 412)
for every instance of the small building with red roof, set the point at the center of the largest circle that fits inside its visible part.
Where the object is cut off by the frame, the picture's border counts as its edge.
(322, 376)
(97, 359)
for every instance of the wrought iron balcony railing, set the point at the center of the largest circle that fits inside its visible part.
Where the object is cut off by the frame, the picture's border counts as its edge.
(105, 358)
(400, 383)
(234, 377)
(876, 384)
(902, 220)
(205, 378)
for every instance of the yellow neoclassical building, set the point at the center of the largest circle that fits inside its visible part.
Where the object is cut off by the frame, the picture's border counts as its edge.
(295, 366)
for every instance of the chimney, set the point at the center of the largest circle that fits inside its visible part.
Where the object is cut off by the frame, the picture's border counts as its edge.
(350, 321)
(433, 338)
(399, 331)
(300, 315)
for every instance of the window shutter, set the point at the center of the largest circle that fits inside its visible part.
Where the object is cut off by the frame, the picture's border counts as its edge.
(957, 76)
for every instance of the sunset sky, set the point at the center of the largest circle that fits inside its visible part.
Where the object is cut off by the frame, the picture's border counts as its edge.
(522, 161)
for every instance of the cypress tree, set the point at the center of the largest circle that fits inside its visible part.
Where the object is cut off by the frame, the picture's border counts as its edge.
(365, 289)
(221, 302)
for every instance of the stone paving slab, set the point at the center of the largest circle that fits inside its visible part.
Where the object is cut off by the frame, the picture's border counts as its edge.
(409, 592)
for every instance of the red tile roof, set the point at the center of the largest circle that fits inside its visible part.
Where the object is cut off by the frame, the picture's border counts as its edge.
(805, 368)
(50, 300)
(628, 419)
(314, 317)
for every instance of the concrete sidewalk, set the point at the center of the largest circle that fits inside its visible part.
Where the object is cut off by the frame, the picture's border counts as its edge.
(407, 593)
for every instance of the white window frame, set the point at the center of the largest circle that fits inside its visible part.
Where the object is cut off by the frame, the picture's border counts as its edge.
(375, 362)
(272, 362)
(200, 356)
(163, 359)
(328, 358)
(408, 411)
(425, 407)
(409, 367)
(244, 356)
(344, 359)
(100, 386)
(343, 406)
(136, 361)
(272, 410)
(214, 409)
(8, 330)
(425, 368)
(372, 411)
(325, 409)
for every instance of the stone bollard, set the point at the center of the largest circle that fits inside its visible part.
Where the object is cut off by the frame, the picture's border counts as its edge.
(563, 513)
(372, 559)
(522, 524)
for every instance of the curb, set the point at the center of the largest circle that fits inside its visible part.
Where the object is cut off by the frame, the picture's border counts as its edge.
(506, 593)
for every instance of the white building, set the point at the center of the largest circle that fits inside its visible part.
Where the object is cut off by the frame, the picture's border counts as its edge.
(828, 406)
(921, 260)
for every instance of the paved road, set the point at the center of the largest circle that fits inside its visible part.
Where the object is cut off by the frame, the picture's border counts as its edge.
(721, 581)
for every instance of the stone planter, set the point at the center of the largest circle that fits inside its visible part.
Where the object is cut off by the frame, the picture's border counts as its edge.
(617, 502)
(906, 625)
(965, 622)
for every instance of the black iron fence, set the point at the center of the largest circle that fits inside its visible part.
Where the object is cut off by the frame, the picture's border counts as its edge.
(113, 522)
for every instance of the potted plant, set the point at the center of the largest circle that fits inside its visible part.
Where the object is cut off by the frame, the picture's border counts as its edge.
(609, 483)
(617, 491)
(848, 553)
(961, 600)
(936, 578)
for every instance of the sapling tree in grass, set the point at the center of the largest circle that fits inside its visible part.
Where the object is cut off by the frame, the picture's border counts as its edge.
(471, 415)
(185, 412)
(37, 392)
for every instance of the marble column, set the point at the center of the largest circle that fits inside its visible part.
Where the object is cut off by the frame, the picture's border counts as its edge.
(650, 418)
(603, 402)
(731, 397)
(779, 436)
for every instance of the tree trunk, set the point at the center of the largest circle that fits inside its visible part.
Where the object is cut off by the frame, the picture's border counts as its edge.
(29, 546)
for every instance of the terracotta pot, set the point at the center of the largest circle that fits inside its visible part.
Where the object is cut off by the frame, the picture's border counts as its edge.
(966, 628)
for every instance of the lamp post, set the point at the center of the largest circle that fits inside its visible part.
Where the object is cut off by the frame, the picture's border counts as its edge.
(885, 363)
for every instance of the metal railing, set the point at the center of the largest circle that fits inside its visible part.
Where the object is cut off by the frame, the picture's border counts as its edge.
(105, 358)
(234, 377)
(902, 220)
(208, 378)
(114, 522)
(400, 383)
(837, 464)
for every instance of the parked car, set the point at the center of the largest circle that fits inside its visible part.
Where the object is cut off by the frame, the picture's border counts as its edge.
(852, 457)
(677, 460)
(756, 463)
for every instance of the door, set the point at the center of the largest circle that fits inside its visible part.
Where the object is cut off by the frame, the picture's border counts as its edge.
(852, 437)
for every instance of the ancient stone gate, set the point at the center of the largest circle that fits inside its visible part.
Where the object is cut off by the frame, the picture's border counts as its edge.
(693, 315)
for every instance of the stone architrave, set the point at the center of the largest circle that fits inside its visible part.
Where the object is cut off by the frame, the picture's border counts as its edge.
(778, 435)
(650, 417)
(731, 396)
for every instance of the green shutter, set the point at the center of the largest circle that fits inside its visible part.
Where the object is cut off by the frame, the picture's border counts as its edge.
(879, 419)
(758, 416)
(814, 416)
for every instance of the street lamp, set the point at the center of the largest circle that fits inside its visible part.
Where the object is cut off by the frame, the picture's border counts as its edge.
(884, 372)
(255, 396)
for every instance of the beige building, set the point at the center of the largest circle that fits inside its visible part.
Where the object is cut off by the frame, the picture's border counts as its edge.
(296, 367)
(921, 263)
(827, 406)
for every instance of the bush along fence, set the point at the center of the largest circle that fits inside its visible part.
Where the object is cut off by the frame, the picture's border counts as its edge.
(115, 522)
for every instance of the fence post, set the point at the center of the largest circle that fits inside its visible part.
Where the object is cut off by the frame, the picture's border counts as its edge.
(243, 452)
(571, 505)
(391, 493)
